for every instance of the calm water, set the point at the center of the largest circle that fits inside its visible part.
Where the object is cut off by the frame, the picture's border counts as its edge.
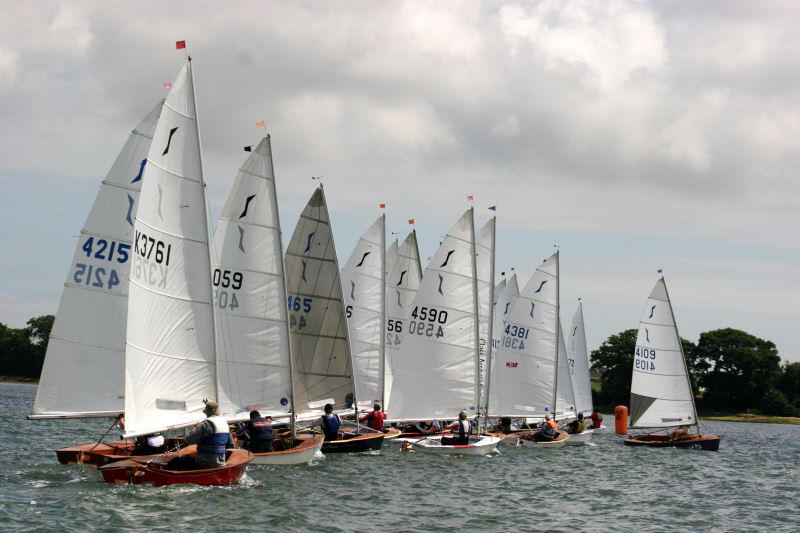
(752, 483)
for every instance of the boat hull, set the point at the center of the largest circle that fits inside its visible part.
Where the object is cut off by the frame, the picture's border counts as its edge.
(302, 453)
(580, 439)
(155, 472)
(527, 440)
(363, 442)
(391, 434)
(97, 455)
(662, 440)
(483, 445)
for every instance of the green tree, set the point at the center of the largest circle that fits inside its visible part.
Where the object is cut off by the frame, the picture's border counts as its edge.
(22, 350)
(789, 385)
(739, 371)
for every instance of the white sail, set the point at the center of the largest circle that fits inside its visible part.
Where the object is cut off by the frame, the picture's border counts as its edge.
(402, 284)
(321, 363)
(391, 256)
(565, 394)
(578, 355)
(252, 335)
(526, 356)
(363, 284)
(660, 391)
(84, 367)
(170, 352)
(436, 371)
(484, 261)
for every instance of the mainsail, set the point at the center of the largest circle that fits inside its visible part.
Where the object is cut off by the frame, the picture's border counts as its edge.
(484, 261)
(249, 291)
(84, 368)
(436, 373)
(170, 348)
(578, 355)
(565, 394)
(660, 392)
(401, 287)
(364, 285)
(321, 364)
(527, 353)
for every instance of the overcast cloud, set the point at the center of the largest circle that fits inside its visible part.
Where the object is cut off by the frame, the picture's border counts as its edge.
(637, 135)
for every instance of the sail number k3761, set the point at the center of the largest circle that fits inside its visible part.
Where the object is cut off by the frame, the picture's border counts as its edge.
(151, 248)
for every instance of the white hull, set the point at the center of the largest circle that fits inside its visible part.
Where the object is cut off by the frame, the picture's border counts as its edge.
(482, 446)
(289, 457)
(579, 439)
(544, 445)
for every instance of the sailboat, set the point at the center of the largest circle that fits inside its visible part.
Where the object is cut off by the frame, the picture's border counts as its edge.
(84, 367)
(170, 352)
(255, 366)
(527, 358)
(661, 393)
(402, 282)
(578, 357)
(437, 372)
(321, 362)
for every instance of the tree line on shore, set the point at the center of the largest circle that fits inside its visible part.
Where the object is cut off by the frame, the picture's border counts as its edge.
(731, 371)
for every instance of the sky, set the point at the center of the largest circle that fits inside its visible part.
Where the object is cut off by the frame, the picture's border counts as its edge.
(633, 135)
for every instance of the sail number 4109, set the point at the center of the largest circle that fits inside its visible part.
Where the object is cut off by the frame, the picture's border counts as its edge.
(644, 358)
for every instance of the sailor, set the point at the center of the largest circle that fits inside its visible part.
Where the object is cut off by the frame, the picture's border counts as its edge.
(462, 429)
(375, 418)
(329, 422)
(679, 433)
(257, 434)
(597, 419)
(149, 444)
(549, 430)
(576, 426)
(212, 438)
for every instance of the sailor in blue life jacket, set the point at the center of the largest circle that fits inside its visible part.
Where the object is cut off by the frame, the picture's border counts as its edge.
(329, 422)
(212, 438)
(257, 435)
(461, 430)
(549, 430)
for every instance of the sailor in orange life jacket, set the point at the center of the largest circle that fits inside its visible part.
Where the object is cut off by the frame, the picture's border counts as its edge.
(375, 418)
(549, 430)
(212, 438)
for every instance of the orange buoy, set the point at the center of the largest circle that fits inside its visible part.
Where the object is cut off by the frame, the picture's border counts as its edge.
(621, 415)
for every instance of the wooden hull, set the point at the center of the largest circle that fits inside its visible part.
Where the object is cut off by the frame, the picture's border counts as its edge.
(482, 445)
(391, 434)
(526, 439)
(352, 443)
(662, 440)
(96, 455)
(155, 472)
(306, 448)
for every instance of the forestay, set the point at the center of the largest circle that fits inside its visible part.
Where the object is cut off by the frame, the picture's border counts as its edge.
(364, 285)
(436, 370)
(526, 355)
(402, 284)
(170, 359)
(84, 368)
(318, 331)
(660, 392)
(253, 336)
(578, 355)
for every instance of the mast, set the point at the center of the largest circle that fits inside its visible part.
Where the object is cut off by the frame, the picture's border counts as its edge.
(208, 239)
(382, 344)
(416, 246)
(683, 357)
(491, 326)
(558, 333)
(476, 319)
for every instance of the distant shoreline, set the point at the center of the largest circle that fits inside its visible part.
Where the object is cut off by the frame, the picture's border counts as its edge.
(18, 379)
(763, 419)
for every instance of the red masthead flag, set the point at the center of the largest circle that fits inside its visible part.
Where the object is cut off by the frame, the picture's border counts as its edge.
(260, 124)
(411, 221)
(180, 44)
(168, 85)
(469, 197)
(383, 206)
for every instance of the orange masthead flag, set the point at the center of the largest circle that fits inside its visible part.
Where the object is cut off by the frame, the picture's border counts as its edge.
(383, 206)
(411, 221)
(180, 44)
(260, 124)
